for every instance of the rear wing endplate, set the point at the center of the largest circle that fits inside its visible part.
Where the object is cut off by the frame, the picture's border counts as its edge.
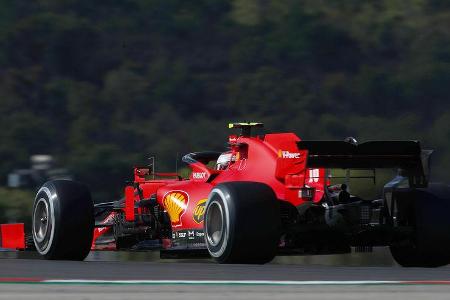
(407, 156)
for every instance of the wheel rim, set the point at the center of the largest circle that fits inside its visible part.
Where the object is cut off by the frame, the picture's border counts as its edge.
(41, 223)
(214, 224)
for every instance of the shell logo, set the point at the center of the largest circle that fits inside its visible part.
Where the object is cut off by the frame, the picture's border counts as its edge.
(199, 211)
(176, 203)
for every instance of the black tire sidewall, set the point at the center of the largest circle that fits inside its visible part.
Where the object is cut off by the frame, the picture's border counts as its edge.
(45, 193)
(222, 249)
(73, 213)
(252, 222)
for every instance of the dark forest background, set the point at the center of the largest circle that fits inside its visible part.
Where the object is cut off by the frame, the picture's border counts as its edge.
(102, 85)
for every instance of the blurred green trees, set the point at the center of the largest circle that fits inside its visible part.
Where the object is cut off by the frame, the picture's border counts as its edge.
(15, 205)
(102, 85)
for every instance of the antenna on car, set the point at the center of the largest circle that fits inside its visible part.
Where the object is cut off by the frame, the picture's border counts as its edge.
(246, 127)
(176, 163)
(152, 165)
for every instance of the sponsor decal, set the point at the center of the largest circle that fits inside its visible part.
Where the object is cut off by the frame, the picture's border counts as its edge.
(109, 219)
(287, 154)
(175, 203)
(199, 175)
(190, 235)
(242, 164)
(101, 229)
(182, 234)
(199, 211)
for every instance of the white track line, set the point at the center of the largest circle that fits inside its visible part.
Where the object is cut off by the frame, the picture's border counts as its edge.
(240, 282)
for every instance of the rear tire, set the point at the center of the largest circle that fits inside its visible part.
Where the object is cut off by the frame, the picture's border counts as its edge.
(242, 223)
(430, 216)
(63, 220)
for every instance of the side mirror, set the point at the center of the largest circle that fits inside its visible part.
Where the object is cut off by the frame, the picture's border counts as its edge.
(141, 172)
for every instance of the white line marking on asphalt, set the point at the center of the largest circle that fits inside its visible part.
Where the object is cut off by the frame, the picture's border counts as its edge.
(240, 282)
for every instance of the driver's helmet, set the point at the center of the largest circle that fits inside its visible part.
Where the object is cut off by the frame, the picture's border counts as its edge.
(224, 160)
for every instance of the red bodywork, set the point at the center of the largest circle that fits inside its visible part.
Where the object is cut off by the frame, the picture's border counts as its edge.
(12, 236)
(165, 211)
(273, 159)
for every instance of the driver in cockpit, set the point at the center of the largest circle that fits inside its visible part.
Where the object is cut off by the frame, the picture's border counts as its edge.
(224, 161)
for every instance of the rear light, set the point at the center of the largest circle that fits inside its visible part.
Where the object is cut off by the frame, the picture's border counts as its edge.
(306, 192)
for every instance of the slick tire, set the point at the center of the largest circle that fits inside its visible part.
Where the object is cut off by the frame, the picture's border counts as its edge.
(242, 223)
(430, 216)
(63, 220)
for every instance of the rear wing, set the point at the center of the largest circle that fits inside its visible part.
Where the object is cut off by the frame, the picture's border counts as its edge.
(407, 156)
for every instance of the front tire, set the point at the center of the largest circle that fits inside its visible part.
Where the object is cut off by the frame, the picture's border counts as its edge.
(242, 223)
(63, 220)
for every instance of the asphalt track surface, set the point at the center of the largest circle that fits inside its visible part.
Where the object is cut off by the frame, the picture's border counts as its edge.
(108, 292)
(151, 278)
(123, 270)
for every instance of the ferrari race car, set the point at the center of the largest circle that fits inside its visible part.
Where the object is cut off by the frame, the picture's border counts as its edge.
(267, 195)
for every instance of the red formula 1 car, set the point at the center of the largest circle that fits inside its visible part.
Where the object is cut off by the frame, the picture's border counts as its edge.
(267, 195)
